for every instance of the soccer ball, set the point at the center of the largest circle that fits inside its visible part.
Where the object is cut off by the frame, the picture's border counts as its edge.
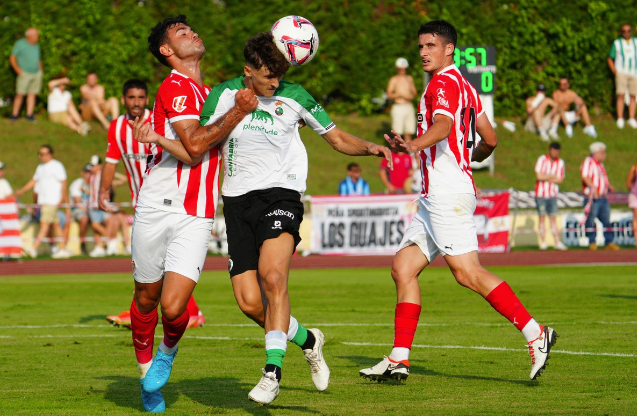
(297, 39)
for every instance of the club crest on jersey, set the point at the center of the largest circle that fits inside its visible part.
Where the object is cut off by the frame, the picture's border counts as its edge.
(279, 108)
(179, 103)
(442, 100)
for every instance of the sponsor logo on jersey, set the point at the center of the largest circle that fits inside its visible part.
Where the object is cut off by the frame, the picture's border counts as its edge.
(232, 155)
(277, 225)
(317, 109)
(179, 103)
(442, 100)
(135, 156)
(280, 213)
(264, 116)
(168, 202)
(421, 118)
(176, 82)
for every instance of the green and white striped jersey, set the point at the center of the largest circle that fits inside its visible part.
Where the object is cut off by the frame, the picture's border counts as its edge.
(624, 52)
(265, 149)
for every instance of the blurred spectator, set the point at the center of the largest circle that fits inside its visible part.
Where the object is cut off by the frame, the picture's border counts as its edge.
(61, 108)
(25, 61)
(550, 172)
(353, 184)
(622, 61)
(5, 188)
(101, 222)
(631, 184)
(596, 187)
(396, 180)
(50, 178)
(538, 121)
(79, 194)
(564, 99)
(94, 105)
(401, 90)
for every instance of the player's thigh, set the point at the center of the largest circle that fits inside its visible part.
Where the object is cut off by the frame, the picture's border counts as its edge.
(449, 218)
(243, 252)
(408, 263)
(186, 251)
(418, 234)
(149, 239)
(247, 291)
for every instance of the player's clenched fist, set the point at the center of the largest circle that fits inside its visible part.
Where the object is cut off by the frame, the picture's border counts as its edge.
(245, 100)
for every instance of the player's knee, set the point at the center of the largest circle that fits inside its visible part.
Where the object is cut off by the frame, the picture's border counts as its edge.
(251, 307)
(274, 282)
(145, 304)
(466, 277)
(401, 275)
(172, 312)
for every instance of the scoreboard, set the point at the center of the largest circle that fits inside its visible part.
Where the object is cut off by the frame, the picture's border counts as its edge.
(477, 64)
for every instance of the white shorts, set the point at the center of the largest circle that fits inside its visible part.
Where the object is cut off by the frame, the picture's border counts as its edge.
(443, 225)
(571, 117)
(403, 118)
(163, 241)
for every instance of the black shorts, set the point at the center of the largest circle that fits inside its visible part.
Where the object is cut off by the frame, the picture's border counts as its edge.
(258, 216)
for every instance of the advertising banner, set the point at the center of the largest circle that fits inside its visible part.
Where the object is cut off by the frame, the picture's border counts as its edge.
(492, 223)
(10, 241)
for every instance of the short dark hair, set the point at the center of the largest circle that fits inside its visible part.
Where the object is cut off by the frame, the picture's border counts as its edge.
(352, 165)
(134, 83)
(440, 28)
(159, 35)
(555, 145)
(260, 51)
(47, 147)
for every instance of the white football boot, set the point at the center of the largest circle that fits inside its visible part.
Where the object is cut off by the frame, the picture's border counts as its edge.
(539, 350)
(316, 361)
(620, 123)
(267, 390)
(386, 370)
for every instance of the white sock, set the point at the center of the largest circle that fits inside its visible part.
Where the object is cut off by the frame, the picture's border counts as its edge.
(531, 330)
(276, 340)
(165, 349)
(553, 127)
(399, 354)
(143, 368)
(294, 326)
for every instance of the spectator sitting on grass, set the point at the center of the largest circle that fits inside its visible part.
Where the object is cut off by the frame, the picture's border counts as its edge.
(61, 108)
(565, 98)
(538, 121)
(353, 184)
(94, 105)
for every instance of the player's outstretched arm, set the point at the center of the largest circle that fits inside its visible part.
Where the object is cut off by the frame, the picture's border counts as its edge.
(489, 140)
(345, 143)
(436, 133)
(143, 133)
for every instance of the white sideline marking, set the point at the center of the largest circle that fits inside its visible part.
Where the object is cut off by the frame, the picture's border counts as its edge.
(452, 347)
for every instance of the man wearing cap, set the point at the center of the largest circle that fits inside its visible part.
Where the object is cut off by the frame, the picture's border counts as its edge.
(402, 91)
(622, 61)
(537, 120)
(25, 61)
(596, 186)
(5, 189)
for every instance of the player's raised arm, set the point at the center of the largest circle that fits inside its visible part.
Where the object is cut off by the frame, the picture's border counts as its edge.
(489, 140)
(348, 144)
(436, 133)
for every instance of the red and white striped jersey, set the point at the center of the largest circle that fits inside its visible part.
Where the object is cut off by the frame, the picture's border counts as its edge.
(94, 186)
(595, 172)
(171, 185)
(445, 166)
(546, 189)
(122, 145)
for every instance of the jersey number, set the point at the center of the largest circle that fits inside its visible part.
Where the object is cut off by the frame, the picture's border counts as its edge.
(468, 126)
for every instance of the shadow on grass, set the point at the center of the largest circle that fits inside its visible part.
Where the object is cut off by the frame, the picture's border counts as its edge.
(215, 393)
(90, 318)
(619, 296)
(365, 362)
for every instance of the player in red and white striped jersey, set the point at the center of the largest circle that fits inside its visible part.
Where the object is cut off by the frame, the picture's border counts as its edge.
(549, 171)
(122, 146)
(177, 202)
(596, 186)
(450, 113)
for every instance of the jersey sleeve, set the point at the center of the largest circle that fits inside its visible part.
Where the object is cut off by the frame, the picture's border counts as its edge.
(312, 112)
(561, 170)
(538, 164)
(113, 153)
(612, 53)
(180, 102)
(342, 188)
(75, 190)
(585, 169)
(444, 96)
(479, 108)
(365, 187)
(217, 103)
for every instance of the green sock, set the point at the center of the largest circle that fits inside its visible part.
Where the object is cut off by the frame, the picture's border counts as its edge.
(300, 337)
(275, 357)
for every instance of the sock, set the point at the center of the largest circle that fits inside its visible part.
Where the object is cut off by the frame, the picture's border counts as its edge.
(275, 345)
(192, 307)
(399, 354)
(532, 330)
(299, 335)
(143, 368)
(405, 323)
(503, 300)
(173, 331)
(143, 329)
(553, 127)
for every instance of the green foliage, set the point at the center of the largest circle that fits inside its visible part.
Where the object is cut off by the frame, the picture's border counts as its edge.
(536, 41)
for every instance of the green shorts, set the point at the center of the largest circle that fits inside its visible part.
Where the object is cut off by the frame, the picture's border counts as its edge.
(28, 83)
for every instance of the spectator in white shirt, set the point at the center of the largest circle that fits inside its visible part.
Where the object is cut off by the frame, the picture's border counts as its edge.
(50, 177)
(5, 188)
(61, 108)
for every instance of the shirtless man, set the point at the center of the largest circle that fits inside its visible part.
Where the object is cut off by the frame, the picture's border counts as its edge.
(564, 98)
(94, 105)
(401, 90)
(536, 113)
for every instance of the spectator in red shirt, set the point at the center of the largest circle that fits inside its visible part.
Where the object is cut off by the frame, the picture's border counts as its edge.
(395, 180)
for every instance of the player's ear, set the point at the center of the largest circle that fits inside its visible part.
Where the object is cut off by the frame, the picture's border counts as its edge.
(247, 71)
(166, 50)
(449, 49)
(121, 99)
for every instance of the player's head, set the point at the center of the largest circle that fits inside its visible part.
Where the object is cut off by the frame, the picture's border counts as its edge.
(265, 64)
(564, 83)
(598, 151)
(91, 79)
(46, 153)
(626, 31)
(554, 150)
(135, 97)
(354, 171)
(173, 40)
(436, 42)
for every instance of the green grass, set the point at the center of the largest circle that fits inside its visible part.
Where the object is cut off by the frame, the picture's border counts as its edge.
(72, 363)
(515, 156)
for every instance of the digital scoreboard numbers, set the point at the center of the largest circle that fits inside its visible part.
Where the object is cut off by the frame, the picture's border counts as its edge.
(477, 65)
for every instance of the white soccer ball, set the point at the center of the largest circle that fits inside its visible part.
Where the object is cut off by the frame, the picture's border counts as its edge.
(297, 39)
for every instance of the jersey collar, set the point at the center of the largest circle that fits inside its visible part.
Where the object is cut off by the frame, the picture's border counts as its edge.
(449, 68)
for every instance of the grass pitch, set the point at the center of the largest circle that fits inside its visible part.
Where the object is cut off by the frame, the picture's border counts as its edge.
(60, 357)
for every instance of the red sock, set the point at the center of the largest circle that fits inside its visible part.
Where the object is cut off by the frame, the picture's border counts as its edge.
(503, 300)
(143, 327)
(405, 323)
(174, 330)
(192, 307)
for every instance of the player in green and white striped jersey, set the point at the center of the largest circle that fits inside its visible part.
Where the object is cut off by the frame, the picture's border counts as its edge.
(622, 60)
